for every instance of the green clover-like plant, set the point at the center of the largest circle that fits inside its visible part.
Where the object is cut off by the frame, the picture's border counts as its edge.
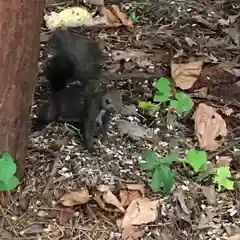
(7, 170)
(222, 178)
(162, 175)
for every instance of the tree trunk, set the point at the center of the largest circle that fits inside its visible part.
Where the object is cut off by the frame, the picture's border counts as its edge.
(20, 22)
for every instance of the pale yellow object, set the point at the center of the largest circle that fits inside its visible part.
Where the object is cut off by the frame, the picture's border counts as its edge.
(69, 17)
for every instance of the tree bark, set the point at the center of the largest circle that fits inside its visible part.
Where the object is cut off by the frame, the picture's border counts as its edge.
(20, 22)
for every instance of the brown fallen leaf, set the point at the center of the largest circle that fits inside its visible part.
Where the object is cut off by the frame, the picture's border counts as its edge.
(126, 197)
(108, 197)
(121, 16)
(235, 237)
(110, 17)
(75, 198)
(210, 127)
(140, 211)
(185, 75)
(132, 233)
(115, 17)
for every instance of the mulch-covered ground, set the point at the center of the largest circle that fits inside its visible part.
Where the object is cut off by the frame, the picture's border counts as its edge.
(57, 162)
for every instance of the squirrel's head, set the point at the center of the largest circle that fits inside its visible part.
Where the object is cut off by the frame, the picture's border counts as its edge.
(112, 100)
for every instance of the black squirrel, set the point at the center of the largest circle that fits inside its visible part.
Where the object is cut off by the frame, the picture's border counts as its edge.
(76, 57)
(92, 111)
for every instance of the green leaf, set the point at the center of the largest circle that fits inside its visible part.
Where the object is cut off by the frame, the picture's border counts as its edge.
(221, 178)
(170, 158)
(161, 96)
(163, 84)
(145, 105)
(163, 90)
(174, 104)
(183, 103)
(7, 167)
(157, 181)
(196, 158)
(149, 159)
(11, 184)
(162, 177)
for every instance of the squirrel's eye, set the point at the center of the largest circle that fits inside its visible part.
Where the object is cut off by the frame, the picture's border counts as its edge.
(108, 101)
(97, 124)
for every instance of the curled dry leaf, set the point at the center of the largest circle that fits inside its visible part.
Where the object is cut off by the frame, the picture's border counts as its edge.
(185, 75)
(121, 16)
(140, 211)
(210, 127)
(75, 198)
(108, 197)
(115, 17)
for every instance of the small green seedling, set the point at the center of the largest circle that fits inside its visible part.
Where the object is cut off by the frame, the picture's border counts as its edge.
(182, 103)
(134, 17)
(162, 175)
(163, 90)
(7, 170)
(149, 107)
(222, 178)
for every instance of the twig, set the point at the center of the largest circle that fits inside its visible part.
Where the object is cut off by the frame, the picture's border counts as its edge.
(52, 173)
(54, 167)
